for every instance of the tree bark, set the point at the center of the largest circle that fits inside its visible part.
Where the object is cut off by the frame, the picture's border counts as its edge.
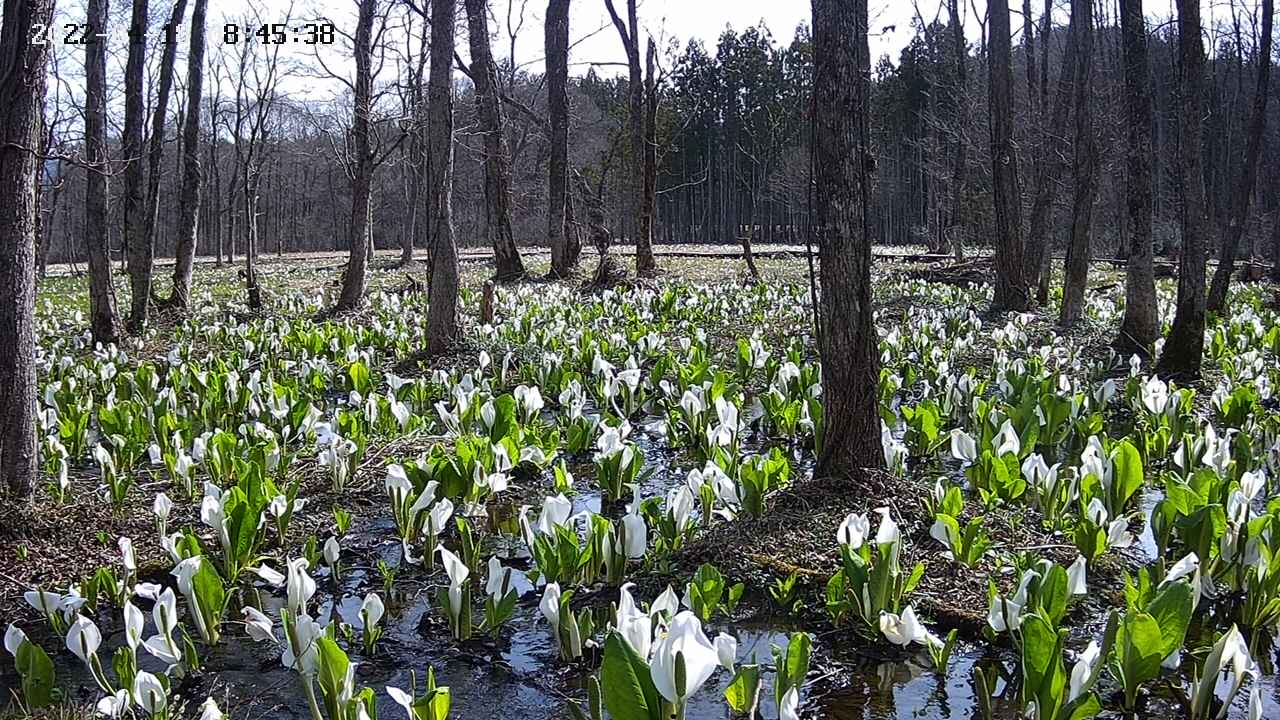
(22, 92)
(497, 158)
(847, 337)
(649, 187)
(189, 195)
(442, 314)
(1141, 324)
(955, 220)
(102, 300)
(1048, 168)
(1184, 348)
(133, 195)
(1011, 288)
(1243, 195)
(1084, 170)
(142, 253)
(630, 36)
(358, 239)
(565, 248)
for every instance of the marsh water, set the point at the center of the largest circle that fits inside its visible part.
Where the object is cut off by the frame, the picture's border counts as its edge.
(521, 676)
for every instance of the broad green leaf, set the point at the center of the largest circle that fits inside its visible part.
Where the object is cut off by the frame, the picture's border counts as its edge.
(743, 693)
(629, 692)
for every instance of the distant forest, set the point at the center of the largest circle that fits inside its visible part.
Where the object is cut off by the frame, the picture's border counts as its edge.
(733, 151)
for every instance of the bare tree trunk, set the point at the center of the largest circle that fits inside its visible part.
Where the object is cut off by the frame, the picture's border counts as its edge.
(565, 248)
(630, 36)
(134, 199)
(497, 159)
(142, 252)
(1141, 324)
(102, 300)
(187, 231)
(649, 198)
(442, 313)
(353, 280)
(250, 189)
(1184, 348)
(955, 220)
(1048, 168)
(1240, 199)
(847, 340)
(1011, 289)
(22, 91)
(1085, 169)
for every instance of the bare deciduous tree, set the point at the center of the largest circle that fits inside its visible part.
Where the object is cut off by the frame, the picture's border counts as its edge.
(565, 247)
(1011, 291)
(442, 314)
(497, 158)
(629, 33)
(1184, 347)
(189, 194)
(1084, 167)
(361, 161)
(102, 298)
(1141, 324)
(1242, 197)
(134, 195)
(22, 92)
(847, 337)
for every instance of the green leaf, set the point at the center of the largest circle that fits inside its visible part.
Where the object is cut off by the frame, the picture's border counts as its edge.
(629, 692)
(1171, 608)
(36, 670)
(1141, 650)
(332, 675)
(1128, 476)
(744, 691)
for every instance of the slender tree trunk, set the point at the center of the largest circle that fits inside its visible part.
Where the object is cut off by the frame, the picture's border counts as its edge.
(142, 252)
(847, 340)
(1011, 289)
(102, 300)
(649, 187)
(1184, 348)
(955, 219)
(187, 230)
(497, 158)
(442, 313)
(250, 189)
(565, 249)
(1141, 324)
(134, 198)
(630, 36)
(358, 239)
(1085, 169)
(1048, 167)
(22, 92)
(1243, 195)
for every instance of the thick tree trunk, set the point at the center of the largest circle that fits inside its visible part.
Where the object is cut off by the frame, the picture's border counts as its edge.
(442, 313)
(1243, 194)
(358, 239)
(1085, 169)
(133, 206)
(847, 338)
(1184, 348)
(565, 248)
(1141, 324)
(102, 299)
(187, 231)
(497, 159)
(22, 91)
(1011, 288)
(1048, 168)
